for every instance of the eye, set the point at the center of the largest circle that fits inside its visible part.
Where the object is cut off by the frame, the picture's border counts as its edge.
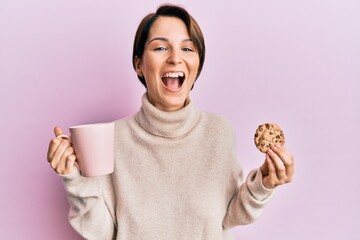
(160, 49)
(188, 49)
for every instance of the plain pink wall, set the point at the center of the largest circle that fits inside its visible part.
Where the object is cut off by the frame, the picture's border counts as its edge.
(296, 63)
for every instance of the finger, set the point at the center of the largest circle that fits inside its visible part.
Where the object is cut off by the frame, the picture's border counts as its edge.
(272, 179)
(60, 134)
(284, 154)
(70, 162)
(58, 131)
(279, 165)
(288, 160)
(61, 167)
(59, 153)
(53, 145)
(264, 168)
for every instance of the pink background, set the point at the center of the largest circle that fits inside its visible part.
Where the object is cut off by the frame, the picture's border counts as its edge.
(296, 63)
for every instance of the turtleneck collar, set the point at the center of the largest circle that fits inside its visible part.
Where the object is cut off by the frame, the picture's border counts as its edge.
(166, 124)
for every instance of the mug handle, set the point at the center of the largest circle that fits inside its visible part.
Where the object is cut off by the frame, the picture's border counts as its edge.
(66, 137)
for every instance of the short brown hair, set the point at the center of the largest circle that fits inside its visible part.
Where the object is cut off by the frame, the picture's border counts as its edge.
(170, 11)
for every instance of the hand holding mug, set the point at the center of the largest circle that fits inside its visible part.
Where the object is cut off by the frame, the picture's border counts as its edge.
(61, 154)
(94, 147)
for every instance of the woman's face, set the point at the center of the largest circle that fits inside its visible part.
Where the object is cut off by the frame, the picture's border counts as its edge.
(169, 64)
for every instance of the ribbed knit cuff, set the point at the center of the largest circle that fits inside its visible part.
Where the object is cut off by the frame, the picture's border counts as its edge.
(73, 177)
(256, 187)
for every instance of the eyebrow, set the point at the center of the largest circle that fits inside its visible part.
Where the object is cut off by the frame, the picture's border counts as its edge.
(163, 39)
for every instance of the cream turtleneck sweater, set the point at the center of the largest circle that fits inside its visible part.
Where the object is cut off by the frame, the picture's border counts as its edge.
(176, 177)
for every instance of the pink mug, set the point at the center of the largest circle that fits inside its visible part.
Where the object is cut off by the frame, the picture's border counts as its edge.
(94, 148)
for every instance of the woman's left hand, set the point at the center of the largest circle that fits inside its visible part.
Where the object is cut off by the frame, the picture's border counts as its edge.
(278, 167)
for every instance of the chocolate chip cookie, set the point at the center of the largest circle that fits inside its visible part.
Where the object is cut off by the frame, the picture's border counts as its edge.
(267, 135)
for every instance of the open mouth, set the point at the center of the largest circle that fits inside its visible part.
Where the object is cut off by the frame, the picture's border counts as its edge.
(173, 80)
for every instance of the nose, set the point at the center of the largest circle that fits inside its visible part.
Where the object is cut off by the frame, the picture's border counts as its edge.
(174, 57)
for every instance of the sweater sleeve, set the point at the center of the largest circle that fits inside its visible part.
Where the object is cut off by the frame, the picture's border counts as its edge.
(245, 199)
(90, 205)
(247, 204)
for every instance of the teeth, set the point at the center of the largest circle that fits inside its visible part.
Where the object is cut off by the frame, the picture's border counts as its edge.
(174, 74)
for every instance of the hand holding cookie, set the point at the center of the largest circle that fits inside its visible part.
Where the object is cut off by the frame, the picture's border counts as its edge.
(278, 167)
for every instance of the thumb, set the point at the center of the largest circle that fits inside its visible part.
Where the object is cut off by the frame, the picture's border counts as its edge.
(265, 167)
(58, 131)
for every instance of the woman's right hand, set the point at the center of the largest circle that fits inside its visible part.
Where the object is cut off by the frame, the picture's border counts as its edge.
(61, 155)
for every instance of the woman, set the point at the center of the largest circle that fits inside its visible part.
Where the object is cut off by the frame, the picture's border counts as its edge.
(176, 175)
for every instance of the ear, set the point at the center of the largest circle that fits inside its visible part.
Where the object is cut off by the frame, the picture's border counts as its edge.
(138, 66)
